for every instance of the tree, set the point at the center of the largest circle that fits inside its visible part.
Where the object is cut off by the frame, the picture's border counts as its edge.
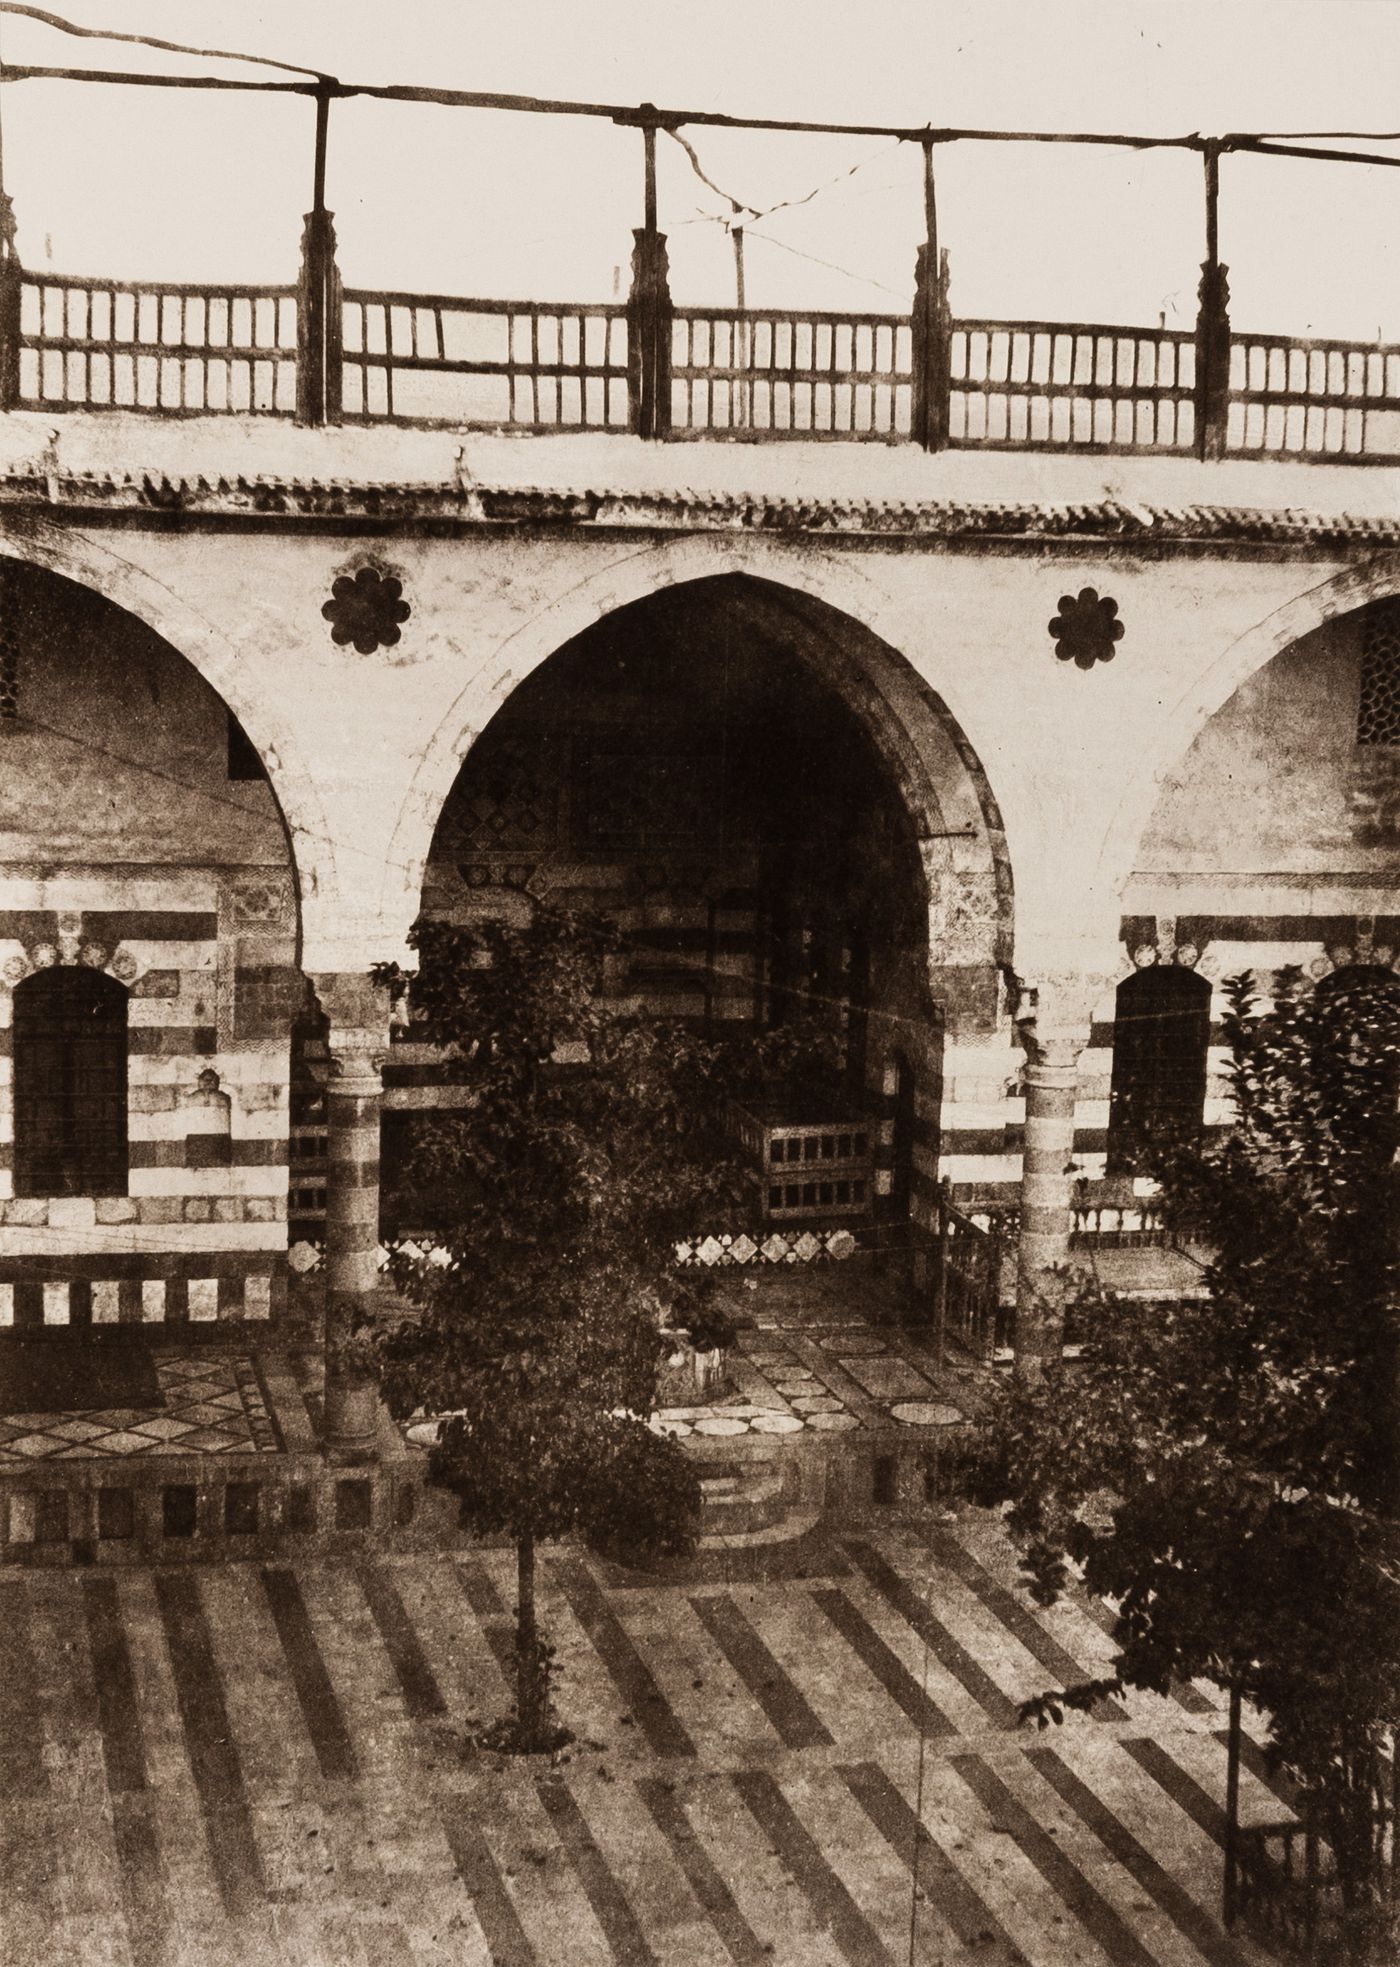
(591, 1143)
(1226, 1468)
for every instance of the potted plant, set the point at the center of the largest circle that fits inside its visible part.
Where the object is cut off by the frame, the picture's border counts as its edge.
(697, 1335)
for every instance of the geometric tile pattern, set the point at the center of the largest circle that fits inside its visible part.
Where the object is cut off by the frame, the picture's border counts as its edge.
(811, 1761)
(214, 1405)
(809, 1360)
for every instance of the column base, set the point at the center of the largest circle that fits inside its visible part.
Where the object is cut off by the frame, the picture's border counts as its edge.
(351, 1428)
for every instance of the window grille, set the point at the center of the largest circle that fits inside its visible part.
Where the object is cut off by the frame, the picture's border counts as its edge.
(1378, 714)
(70, 1084)
(1161, 1038)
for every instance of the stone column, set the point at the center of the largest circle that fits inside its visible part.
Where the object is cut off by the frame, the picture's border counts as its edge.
(358, 1044)
(1054, 1028)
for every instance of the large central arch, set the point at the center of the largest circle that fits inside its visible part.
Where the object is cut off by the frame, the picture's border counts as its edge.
(953, 812)
(774, 808)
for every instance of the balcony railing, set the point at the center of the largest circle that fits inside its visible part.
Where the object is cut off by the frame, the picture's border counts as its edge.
(649, 367)
(749, 372)
(151, 345)
(1044, 385)
(513, 365)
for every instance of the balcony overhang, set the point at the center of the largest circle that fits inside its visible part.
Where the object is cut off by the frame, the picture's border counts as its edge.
(213, 471)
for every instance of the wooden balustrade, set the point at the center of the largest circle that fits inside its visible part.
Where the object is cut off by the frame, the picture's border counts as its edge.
(1044, 385)
(762, 372)
(155, 345)
(483, 364)
(1314, 399)
(966, 1280)
(646, 366)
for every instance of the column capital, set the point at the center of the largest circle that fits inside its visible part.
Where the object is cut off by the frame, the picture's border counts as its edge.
(357, 1012)
(1054, 1014)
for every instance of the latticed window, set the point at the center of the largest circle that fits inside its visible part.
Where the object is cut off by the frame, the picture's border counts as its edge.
(1161, 1038)
(1378, 717)
(70, 1083)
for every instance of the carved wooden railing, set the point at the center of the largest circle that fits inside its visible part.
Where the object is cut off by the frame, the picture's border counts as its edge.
(511, 365)
(1044, 385)
(155, 345)
(1314, 399)
(759, 372)
(1280, 1889)
(965, 1278)
(324, 355)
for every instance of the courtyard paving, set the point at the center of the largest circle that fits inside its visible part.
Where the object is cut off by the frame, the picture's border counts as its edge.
(802, 1754)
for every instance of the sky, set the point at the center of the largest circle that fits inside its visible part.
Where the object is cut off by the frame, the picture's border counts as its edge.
(162, 184)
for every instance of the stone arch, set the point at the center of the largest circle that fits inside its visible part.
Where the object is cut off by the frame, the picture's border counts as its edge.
(200, 642)
(1340, 594)
(843, 626)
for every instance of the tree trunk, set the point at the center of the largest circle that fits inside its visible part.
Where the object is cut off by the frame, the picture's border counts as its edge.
(531, 1680)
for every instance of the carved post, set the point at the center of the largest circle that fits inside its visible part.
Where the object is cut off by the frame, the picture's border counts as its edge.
(358, 1044)
(930, 328)
(319, 325)
(649, 315)
(1213, 328)
(11, 283)
(1054, 1034)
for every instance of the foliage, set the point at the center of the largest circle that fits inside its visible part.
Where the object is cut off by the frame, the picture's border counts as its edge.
(590, 1145)
(1225, 1468)
(697, 1312)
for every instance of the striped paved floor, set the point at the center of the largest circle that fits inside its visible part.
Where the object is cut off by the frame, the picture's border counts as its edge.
(247, 1766)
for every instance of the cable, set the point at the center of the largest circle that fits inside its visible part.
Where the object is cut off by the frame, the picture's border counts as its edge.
(640, 115)
(758, 214)
(861, 279)
(150, 41)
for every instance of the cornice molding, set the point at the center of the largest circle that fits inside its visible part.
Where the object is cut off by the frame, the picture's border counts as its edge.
(599, 509)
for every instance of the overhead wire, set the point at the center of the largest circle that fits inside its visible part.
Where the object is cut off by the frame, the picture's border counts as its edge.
(41, 14)
(640, 115)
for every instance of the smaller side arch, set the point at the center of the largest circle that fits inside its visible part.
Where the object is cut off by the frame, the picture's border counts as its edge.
(202, 644)
(1338, 595)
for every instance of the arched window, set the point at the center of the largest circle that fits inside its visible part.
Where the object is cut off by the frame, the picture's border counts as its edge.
(1359, 981)
(70, 1083)
(1161, 1035)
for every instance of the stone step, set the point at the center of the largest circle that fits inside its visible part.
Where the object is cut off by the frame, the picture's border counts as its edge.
(791, 1525)
(746, 1501)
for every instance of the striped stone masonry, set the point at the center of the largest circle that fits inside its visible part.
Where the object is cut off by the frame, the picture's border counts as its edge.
(1047, 1220)
(806, 1762)
(200, 1233)
(982, 1115)
(158, 1288)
